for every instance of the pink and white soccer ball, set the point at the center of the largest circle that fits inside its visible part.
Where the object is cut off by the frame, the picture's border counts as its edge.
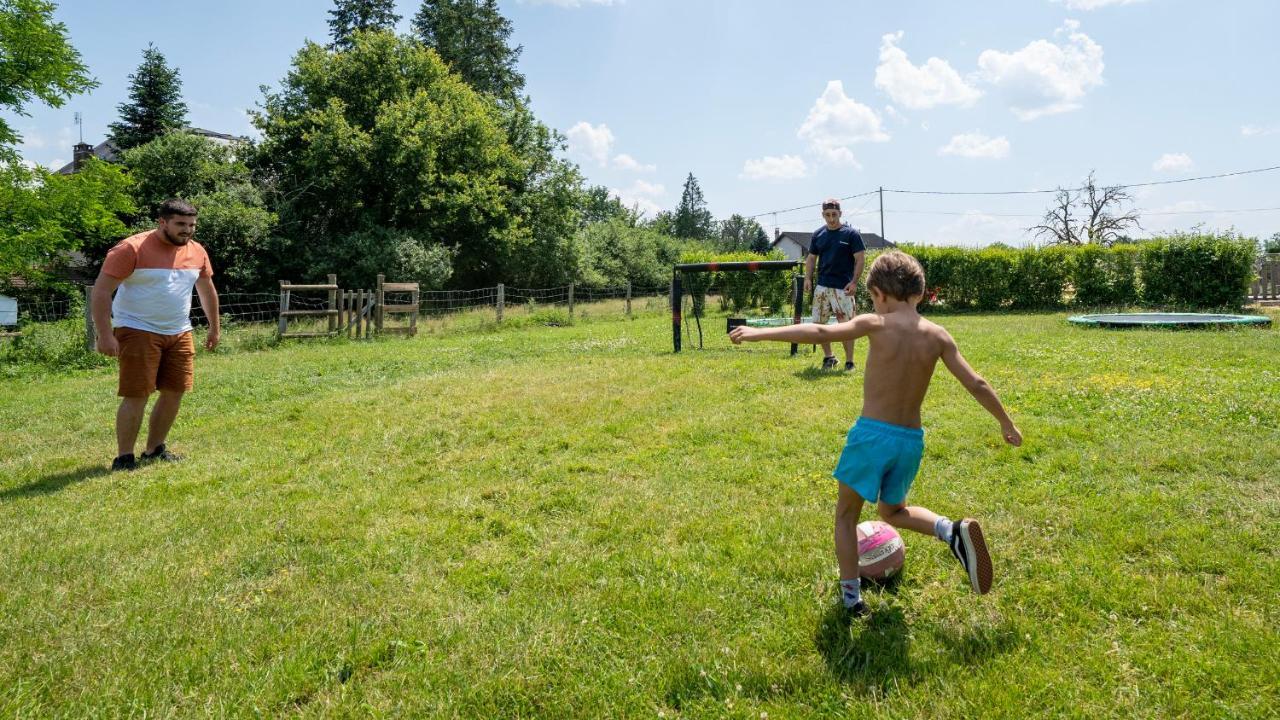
(880, 550)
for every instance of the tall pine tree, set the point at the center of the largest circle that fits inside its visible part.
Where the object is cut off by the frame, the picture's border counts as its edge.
(350, 16)
(471, 36)
(693, 221)
(155, 104)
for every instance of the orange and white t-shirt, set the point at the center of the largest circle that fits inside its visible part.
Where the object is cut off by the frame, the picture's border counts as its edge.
(158, 277)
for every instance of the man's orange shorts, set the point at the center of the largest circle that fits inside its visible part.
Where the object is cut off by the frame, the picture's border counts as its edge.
(149, 361)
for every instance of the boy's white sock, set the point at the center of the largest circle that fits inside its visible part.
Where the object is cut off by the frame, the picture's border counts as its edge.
(942, 528)
(851, 592)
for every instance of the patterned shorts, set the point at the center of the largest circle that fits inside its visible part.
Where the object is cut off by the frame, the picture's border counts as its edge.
(831, 301)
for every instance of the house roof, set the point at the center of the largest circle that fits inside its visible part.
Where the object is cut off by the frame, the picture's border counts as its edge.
(871, 240)
(107, 151)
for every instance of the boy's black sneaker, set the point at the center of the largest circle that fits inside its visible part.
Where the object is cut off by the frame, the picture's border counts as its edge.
(160, 453)
(849, 366)
(858, 610)
(124, 462)
(830, 362)
(970, 548)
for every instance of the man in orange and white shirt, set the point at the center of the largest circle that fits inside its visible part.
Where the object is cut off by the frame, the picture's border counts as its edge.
(148, 325)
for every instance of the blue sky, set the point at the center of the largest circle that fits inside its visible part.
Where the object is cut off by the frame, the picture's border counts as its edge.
(774, 105)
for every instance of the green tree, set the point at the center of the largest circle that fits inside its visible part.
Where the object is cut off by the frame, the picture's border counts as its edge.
(235, 225)
(471, 36)
(37, 63)
(597, 204)
(155, 104)
(1272, 244)
(614, 252)
(45, 216)
(693, 221)
(383, 136)
(349, 16)
(740, 233)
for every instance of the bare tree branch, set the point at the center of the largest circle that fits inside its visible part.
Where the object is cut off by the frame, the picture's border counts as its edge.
(1056, 225)
(1101, 226)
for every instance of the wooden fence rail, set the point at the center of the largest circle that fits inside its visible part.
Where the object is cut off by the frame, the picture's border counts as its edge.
(1267, 286)
(354, 313)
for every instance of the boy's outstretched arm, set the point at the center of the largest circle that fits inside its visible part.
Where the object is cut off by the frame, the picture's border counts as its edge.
(859, 326)
(980, 389)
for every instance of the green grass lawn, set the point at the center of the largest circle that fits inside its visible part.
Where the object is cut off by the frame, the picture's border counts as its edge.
(568, 522)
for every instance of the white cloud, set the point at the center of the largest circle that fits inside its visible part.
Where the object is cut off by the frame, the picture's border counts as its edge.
(1045, 77)
(1258, 130)
(976, 145)
(591, 141)
(626, 162)
(1173, 162)
(787, 167)
(975, 228)
(1094, 4)
(931, 84)
(837, 121)
(642, 195)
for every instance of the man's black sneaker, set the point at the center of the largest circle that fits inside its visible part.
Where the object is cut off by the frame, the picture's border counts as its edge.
(858, 610)
(124, 462)
(830, 363)
(970, 548)
(849, 366)
(160, 453)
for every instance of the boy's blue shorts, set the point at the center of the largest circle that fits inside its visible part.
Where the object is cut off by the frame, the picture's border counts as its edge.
(880, 460)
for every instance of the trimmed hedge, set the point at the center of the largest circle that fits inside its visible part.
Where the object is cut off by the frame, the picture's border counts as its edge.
(1193, 272)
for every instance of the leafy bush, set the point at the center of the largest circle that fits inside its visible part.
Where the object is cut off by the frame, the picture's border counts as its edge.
(1039, 277)
(1105, 277)
(53, 346)
(1198, 271)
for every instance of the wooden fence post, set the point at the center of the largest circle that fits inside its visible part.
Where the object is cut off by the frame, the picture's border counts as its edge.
(628, 298)
(283, 327)
(361, 331)
(381, 300)
(90, 337)
(501, 299)
(333, 304)
(413, 317)
(570, 300)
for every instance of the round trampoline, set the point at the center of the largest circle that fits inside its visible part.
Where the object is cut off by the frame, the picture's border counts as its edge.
(1169, 320)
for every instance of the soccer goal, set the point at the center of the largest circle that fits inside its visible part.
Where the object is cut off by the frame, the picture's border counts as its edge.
(677, 290)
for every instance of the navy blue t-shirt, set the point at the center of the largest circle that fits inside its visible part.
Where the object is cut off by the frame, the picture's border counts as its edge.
(835, 250)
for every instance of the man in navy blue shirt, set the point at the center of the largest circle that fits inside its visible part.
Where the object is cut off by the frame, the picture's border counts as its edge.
(838, 252)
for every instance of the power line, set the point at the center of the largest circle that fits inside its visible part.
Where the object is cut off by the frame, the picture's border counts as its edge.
(810, 205)
(1209, 212)
(1029, 192)
(1028, 215)
(1037, 192)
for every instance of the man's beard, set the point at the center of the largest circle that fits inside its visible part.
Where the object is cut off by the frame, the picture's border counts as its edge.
(176, 239)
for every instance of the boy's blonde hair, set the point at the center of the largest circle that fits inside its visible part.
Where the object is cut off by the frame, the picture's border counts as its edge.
(897, 275)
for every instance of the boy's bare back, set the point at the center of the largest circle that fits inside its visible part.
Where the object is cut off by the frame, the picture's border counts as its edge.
(905, 349)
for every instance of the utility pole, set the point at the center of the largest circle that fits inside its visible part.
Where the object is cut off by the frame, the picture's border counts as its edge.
(882, 212)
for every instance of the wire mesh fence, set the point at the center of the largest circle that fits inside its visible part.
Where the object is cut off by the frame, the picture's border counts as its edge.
(237, 308)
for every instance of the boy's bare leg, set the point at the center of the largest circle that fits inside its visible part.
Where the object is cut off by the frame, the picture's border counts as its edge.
(848, 509)
(964, 537)
(909, 517)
